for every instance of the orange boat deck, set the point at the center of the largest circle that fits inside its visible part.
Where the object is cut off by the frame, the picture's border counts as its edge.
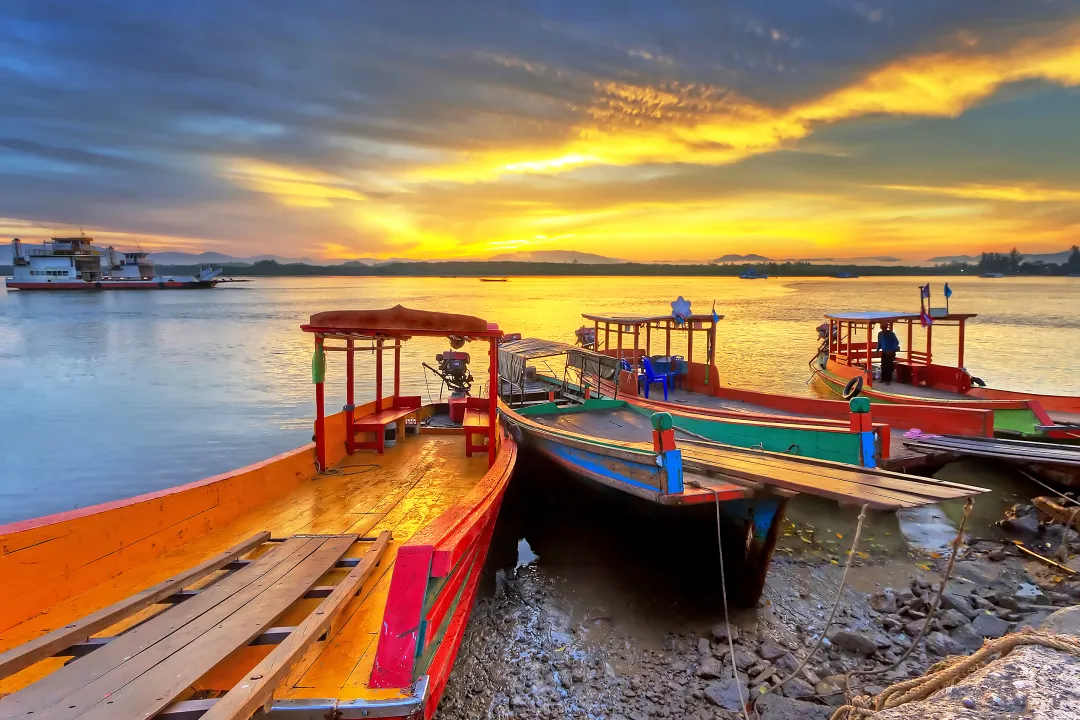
(400, 491)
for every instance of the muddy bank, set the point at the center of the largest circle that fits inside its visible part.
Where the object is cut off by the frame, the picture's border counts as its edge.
(597, 607)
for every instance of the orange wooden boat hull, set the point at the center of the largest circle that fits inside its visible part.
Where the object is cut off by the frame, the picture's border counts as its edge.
(62, 567)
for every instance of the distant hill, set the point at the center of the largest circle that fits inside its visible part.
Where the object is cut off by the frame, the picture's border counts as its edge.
(1057, 258)
(752, 257)
(557, 256)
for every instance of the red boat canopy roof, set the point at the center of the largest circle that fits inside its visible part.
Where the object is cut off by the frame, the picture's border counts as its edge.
(398, 321)
(644, 319)
(876, 316)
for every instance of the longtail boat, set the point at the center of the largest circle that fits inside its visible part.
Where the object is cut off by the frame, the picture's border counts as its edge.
(849, 358)
(683, 459)
(694, 385)
(319, 583)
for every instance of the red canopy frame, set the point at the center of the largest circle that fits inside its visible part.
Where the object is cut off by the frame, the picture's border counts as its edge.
(396, 325)
(848, 347)
(630, 327)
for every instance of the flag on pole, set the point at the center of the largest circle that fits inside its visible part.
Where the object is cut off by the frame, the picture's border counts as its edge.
(925, 319)
(948, 291)
(925, 291)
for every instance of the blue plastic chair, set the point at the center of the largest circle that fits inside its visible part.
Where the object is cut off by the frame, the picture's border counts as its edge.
(651, 377)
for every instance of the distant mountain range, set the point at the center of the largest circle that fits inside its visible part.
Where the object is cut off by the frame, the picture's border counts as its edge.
(557, 256)
(731, 258)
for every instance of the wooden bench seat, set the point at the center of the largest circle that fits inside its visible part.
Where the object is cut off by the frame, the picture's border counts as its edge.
(376, 422)
(476, 422)
(140, 672)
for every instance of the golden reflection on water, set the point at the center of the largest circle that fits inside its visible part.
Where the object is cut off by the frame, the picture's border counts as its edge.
(164, 388)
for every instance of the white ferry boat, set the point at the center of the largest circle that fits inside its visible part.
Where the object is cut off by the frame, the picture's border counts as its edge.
(74, 264)
(751, 273)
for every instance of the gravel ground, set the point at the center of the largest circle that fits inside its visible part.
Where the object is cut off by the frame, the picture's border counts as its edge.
(538, 647)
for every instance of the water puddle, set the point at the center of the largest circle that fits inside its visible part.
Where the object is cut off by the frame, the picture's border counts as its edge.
(525, 554)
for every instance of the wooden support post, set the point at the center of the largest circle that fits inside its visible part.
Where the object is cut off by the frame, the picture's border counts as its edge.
(667, 347)
(929, 343)
(689, 341)
(493, 398)
(350, 398)
(910, 337)
(596, 335)
(648, 338)
(607, 336)
(870, 352)
(619, 342)
(397, 370)
(960, 342)
(320, 416)
(637, 354)
(378, 374)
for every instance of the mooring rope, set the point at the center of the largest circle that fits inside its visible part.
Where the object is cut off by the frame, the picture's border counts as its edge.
(951, 670)
(723, 593)
(832, 613)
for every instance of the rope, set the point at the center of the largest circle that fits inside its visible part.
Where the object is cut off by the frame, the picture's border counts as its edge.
(951, 670)
(723, 593)
(341, 471)
(862, 702)
(836, 605)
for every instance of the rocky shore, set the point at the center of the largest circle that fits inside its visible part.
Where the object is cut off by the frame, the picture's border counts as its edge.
(533, 650)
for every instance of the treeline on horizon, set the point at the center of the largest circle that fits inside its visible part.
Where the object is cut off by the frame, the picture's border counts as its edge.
(1012, 263)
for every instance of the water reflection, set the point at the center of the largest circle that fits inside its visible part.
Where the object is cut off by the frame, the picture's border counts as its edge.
(111, 394)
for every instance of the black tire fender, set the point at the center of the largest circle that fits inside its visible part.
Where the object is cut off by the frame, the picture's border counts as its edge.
(854, 387)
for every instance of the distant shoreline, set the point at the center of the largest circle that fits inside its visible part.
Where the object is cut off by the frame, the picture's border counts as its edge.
(477, 269)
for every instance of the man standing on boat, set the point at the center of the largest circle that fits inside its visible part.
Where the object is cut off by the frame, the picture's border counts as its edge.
(888, 345)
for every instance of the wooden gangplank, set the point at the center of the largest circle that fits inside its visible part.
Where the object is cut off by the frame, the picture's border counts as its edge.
(1014, 450)
(141, 672)
(880, 489)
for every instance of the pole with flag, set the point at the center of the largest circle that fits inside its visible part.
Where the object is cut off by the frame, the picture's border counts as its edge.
(924, 303)
(712, 342)
(948, 294)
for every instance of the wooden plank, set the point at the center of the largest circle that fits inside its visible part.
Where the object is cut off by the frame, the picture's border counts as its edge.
(153, 681)
(49, 644)
(71, 678)
(258, 687)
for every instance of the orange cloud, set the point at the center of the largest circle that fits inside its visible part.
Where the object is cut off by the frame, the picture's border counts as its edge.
(630, 124)
(1008, 193)
(295, 187)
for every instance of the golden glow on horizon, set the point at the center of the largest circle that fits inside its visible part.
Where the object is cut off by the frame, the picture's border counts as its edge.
(486, 202)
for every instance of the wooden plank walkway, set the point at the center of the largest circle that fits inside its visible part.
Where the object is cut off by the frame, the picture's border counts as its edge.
(1019, 450)
(140, 672)
(881, 489)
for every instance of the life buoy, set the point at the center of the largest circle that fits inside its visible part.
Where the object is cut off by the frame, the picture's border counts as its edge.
(854, 387)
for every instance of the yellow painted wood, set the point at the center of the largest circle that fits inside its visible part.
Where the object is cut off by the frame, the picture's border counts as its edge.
(366, 493)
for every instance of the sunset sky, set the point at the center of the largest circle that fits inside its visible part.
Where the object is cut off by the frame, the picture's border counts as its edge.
(646, 130)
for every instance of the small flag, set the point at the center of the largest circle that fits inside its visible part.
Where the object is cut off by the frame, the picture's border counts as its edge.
(925, 290)
(948, 291)
(925, 319)
(715, 317)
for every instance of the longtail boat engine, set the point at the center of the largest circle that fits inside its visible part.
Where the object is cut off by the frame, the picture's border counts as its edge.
(454, 371)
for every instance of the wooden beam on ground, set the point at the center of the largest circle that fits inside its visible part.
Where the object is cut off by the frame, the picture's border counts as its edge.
(49, 644)
(257, 687)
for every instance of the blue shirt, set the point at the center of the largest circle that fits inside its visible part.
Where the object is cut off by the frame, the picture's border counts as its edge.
(888, 342)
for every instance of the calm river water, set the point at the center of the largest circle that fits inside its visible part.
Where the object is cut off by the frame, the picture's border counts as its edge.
(111, 394)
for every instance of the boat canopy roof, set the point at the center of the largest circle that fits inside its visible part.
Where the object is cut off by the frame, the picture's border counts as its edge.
(400, 322)
(645, 319)
(533, 348)
(874, 316)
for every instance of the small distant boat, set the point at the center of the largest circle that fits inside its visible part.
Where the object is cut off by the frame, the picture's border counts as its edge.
(752, 274)
(492, 279)
(846, 276)
(74, 264)
(993, 275)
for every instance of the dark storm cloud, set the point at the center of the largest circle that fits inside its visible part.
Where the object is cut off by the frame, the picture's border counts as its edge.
(119, 112)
